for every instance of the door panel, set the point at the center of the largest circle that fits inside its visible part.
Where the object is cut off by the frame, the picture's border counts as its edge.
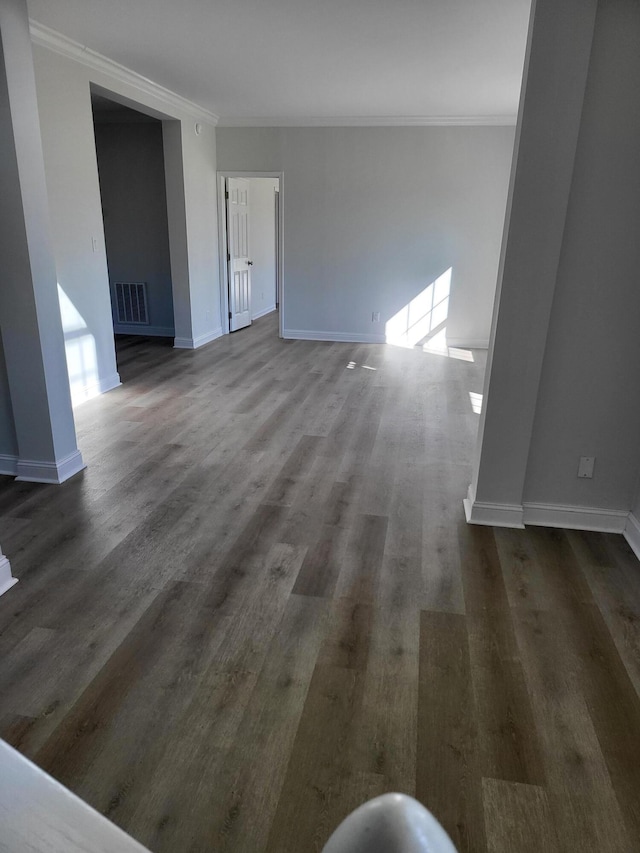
(238, 252)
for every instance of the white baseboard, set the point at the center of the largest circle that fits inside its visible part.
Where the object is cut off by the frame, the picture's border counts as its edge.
(145, 331)
(552, 515)
(200, 341)
(8, 464)
(264, 312)
(33, 471)
(358, 338)
(6, 578)
(493, 515)
(575, 517)
(94, 389)
(340, 337)
(632, 533)
(468, 343)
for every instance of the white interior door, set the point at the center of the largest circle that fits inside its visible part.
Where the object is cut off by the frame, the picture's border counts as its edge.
(239, 264)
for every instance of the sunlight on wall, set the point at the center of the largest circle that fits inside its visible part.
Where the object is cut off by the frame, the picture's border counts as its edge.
(422, 321)
(80, 347)
(422, 316)
(476, 402)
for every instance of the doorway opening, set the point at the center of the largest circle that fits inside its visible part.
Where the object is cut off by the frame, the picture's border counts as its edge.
(251, 247)
(131, 172)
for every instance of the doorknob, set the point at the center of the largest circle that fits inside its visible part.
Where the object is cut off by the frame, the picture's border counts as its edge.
(250, 263)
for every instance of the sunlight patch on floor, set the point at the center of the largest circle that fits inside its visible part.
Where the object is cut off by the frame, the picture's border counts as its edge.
(352, 365)
(437, 345)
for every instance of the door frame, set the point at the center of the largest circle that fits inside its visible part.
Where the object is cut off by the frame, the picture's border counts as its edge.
(173, 168)
(222, 245)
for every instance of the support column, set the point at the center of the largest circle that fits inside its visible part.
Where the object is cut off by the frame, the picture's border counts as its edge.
(190, 178)
(178, 242)
(555, 77)
(32, 332)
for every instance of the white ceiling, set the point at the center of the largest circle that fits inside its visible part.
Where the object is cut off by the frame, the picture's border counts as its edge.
(295, 59)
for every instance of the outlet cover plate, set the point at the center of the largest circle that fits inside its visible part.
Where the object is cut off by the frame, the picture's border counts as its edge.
(585, 467)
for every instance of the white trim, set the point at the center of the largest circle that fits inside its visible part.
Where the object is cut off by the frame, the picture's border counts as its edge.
(6, 578)
(466, 343)
(632, 533)
(59, 43)
(240, 174)
(344, 337)
(8, 464)
(94, 389)
(368, 121)
(200, 341)
(493, 515)
(33, 471)
(221, 188)
(575, 517)
(264, 312)
(145, 331)
(553, 515)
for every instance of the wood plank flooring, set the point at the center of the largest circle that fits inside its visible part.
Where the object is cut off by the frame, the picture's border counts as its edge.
(260, 605)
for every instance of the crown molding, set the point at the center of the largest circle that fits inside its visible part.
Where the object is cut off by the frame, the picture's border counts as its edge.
(368, 121)
(59, 43)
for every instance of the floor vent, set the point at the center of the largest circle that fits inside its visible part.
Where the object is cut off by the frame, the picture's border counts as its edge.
(131, 302)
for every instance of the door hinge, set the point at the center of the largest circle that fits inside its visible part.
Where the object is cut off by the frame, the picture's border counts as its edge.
(228, 257)
(226, 194)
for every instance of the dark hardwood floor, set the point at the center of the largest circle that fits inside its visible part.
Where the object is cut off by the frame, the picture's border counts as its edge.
(260, 605)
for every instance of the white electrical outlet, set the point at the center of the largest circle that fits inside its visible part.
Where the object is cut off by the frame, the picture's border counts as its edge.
(375, 317)
(585, 467)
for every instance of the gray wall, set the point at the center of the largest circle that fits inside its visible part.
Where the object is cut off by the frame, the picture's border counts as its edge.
(373, 215)
(588, 402)
(134, 205)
